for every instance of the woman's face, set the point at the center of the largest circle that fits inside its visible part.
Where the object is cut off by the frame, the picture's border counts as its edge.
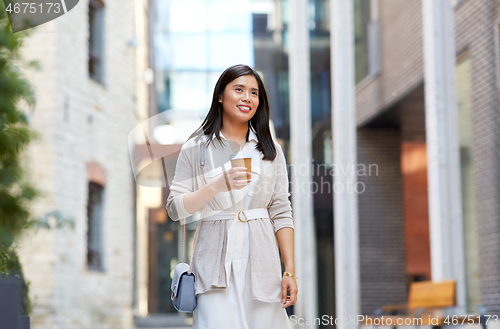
(240, 99)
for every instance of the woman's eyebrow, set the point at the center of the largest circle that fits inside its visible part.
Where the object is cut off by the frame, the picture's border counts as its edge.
(240, 85)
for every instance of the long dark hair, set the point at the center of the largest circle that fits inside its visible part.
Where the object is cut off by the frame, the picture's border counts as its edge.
(259, 122)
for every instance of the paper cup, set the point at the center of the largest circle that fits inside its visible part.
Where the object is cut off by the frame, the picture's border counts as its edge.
(242, 160)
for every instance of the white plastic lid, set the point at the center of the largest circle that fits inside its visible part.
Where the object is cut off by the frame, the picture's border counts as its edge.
(240, 155)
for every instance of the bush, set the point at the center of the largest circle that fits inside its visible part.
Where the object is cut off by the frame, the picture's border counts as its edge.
(15, 134)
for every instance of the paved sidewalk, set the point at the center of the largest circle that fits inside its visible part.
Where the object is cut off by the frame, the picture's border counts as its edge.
(163, 321)
(164, 327)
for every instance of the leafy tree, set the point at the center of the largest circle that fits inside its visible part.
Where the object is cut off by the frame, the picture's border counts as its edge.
(16, 192)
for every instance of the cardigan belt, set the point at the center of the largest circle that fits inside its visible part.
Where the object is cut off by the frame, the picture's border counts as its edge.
(240, 216)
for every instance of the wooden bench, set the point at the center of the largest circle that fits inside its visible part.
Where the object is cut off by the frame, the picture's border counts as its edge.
(426, 303)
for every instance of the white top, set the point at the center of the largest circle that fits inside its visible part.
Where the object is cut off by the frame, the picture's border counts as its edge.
(233, 197)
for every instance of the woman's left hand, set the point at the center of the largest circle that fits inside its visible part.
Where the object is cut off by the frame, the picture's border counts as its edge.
(288, 283)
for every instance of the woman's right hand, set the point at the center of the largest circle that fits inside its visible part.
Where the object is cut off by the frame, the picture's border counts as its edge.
(229, 180)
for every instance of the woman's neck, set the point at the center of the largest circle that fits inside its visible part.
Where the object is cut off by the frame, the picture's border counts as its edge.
(235, 133)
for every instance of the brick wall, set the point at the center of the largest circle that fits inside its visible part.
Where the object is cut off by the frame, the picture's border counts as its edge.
(474, 32)
(37, 249)
(401, 56)
(82, 122)
(381, 220)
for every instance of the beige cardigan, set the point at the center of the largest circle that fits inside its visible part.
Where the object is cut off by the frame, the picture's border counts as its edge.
(270, 192)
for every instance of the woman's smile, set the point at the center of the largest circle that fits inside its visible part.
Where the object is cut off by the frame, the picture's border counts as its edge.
(244, 108)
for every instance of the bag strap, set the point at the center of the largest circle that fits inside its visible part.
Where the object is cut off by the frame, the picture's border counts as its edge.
(184, 242)
(197, 233)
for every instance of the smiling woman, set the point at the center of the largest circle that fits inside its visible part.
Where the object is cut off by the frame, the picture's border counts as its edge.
(244, 223)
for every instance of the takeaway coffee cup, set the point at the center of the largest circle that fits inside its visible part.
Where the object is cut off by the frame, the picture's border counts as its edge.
(242, 160)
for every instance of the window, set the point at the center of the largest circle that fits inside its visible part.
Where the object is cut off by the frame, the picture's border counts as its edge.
(361, 19)
(96, 16)
(366, 42)
(497, 51)
(469, 210)
(260, 25)
(322, 16)
(94, 227)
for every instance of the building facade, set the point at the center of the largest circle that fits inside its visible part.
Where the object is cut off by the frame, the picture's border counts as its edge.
(393, 123)
(89, 95)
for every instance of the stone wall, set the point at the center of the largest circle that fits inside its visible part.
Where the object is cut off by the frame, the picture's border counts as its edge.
(82, 121)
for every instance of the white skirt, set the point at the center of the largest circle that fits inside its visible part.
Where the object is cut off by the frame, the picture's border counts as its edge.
(233, 307)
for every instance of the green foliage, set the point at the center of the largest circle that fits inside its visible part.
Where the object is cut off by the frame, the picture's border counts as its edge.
(16, 192)
(15, 134)
(4, 263)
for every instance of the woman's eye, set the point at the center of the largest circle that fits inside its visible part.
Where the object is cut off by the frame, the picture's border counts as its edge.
(238, 88)
(255, 93)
